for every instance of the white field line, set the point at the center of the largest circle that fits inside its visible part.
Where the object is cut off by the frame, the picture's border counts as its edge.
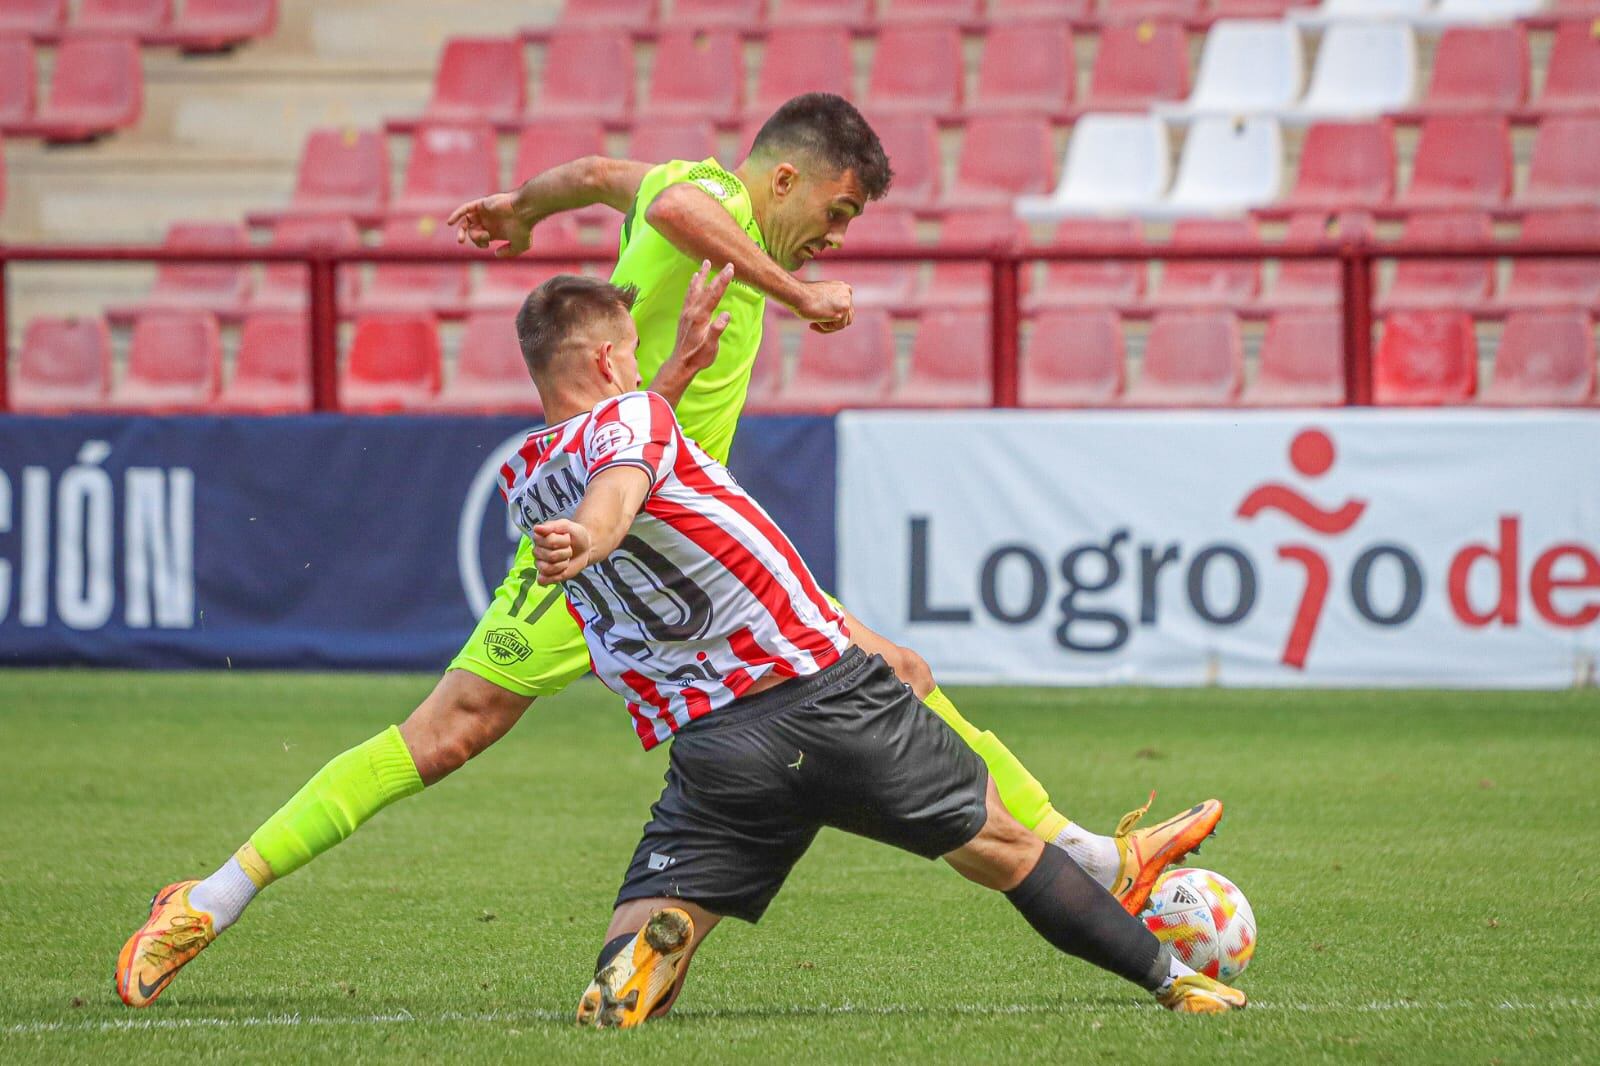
(296, 1020)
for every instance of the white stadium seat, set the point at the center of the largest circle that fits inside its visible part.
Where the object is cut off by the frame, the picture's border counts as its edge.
(1335, 11)
(1228, 165)
(1454, 12)
(1115, 163)
(1247, 67)
(1363, 69)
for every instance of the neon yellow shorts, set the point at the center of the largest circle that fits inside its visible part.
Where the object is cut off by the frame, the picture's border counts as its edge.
(526, 642)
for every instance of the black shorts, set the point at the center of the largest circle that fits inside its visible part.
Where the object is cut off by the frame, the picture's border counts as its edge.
(749, 786)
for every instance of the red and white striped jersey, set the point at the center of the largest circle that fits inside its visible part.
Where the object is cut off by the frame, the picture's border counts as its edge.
(705, 594)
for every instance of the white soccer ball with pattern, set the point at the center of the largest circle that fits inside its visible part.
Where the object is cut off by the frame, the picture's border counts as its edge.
(1205, 918)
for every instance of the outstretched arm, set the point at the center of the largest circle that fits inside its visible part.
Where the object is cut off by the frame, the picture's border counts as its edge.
(563, 548)
(510, 216)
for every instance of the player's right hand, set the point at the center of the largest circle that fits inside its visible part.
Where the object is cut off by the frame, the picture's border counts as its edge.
(827, 305)
(492, 218)
(560, 550)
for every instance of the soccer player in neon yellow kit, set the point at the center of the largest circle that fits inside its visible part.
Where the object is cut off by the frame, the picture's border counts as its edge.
(813, 168)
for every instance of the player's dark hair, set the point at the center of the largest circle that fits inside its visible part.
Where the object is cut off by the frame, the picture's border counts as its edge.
(830, 130)
(556, 308)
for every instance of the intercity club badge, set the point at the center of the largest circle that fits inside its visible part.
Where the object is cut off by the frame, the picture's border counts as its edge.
(506, 646)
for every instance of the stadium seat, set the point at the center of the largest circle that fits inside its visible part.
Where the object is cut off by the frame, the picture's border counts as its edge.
(1308, 283)
(912, 144)
(917, 69)
(923, 11)
(890, 285)
(1115, 163)
(545, 143)
(450, 163)
(221, 288)
(1072, 359)
(730, 14)
(1228, 165)
(1034, 10)
(1151, 9)
(284, 285)
(618, 14)
(697, 75)
(1349, 10)
(664, 139)
(1091, 283)
(1001, 158)
(1363, 68)
(766, 375)
(1227, 283)
(1426, 357)
(1545, 357)
(1027, 67)
(503, 287)
(1302, 361)
(32, 18)
(1253, 9)
(272, 370)
(1463, 283)
(1191, 359)
(1461, 161)
(214, 25)
(174, 363)
(1479, 68)
(1572, 73)
(801, 60)
(97, 86)
(18, 78)
(479, 79)
(1449, 11)
(137, 18)
(2, 176)
(1345, 164)
(342, 172)
(587, 74)
(1138, 64)
(64, 365)
(838, 13)
(1557, 282)
(957, 284)
(851, 368)
(950, 362)
(400, 287)
(393, 364)
(1246, 67)
(1565, 168)
(490, 376)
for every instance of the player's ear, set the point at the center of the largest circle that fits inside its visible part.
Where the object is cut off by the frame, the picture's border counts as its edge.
(602, 361)
(784, 179)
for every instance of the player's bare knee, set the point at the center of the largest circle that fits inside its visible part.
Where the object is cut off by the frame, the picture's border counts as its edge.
(459, 719)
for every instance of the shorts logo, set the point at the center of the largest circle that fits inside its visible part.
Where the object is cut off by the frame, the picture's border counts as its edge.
(506, 646)
(658, 861)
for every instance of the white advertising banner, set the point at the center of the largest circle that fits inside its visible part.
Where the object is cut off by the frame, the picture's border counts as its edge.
(1437, 548)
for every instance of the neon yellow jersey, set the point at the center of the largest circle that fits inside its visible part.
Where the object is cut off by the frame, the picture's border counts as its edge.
(709, 410)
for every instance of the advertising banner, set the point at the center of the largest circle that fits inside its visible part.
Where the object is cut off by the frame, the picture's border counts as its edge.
(1430, 548)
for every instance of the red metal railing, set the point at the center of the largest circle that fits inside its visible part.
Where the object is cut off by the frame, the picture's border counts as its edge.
(1355, 256)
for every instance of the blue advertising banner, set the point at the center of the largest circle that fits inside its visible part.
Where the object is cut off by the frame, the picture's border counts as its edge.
(299, 542)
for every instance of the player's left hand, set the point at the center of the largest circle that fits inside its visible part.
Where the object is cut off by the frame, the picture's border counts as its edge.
(489, 219)
(699, 333)
(561, 550)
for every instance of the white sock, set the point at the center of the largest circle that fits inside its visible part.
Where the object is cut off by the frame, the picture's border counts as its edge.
(1096, 854)
(224, 895)
(1176, 968)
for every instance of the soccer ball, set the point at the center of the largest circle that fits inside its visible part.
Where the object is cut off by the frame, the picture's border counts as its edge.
(1205, 918)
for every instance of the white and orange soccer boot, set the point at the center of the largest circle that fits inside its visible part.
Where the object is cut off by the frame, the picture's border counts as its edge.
(152, 957)
(1146, 852)
(639, 976)
(1199, 994)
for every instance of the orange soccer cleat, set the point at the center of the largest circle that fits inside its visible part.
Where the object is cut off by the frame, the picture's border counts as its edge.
(1146, 852)
(152, 957)
(639, 976)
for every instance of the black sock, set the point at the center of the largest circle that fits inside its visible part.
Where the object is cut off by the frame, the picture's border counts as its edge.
(1069, 908)
(609, 952)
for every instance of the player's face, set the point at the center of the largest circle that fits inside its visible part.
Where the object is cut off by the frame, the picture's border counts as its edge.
(813, 215)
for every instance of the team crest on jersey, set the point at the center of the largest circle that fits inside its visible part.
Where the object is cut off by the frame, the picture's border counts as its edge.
(506, 646)
(611, 437)
(714, 187)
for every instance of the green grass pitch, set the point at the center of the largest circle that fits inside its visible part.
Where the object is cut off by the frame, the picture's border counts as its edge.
(1423, 866)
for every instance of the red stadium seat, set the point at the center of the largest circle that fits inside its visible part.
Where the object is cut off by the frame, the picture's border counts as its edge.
(1479, 68)
(1191, 359)
(950, 362)
(1464, 283)
(851, 368)
(1151, 9)
(1302, 361)
(1557, 282)
(1545, 357)
(97, 87)
(450, 163)
(490, 376)
(732, 14)
(174, 362)
(1426, 357)
(842, 13)
(587, 74)
(1073, 359)
(65, 365)
(1098, 283)
(283, 285)
(1253, 9)
(1001, 158)
(958, 284)
(925, 11)
(890, 285)
(400, 287)
(1345, 164)
(698, 74)
(18, 78)
(2, 175)
(766, 375)
(656, 142)
(1031, 10)
(917, 70)
(221, 288)
(33, 18)
(801, 60)
(1565, 168)
(546, 143)
(1572, 73)
(912, 144)
(619, 14)
(1306, 283)
(213, 25)
(1461, 161)
(504, 287)
(1026, 67)
(272, 371)
(1207, 282)
(342, 172)
(1139, 63)
(393, 364)
(140, 18)
(479, 79)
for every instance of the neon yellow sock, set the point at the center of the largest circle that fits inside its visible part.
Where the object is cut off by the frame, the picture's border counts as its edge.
(1019, 790)
(342, 795)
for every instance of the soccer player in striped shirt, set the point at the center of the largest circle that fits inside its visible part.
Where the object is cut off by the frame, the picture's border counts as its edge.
(700, 614)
